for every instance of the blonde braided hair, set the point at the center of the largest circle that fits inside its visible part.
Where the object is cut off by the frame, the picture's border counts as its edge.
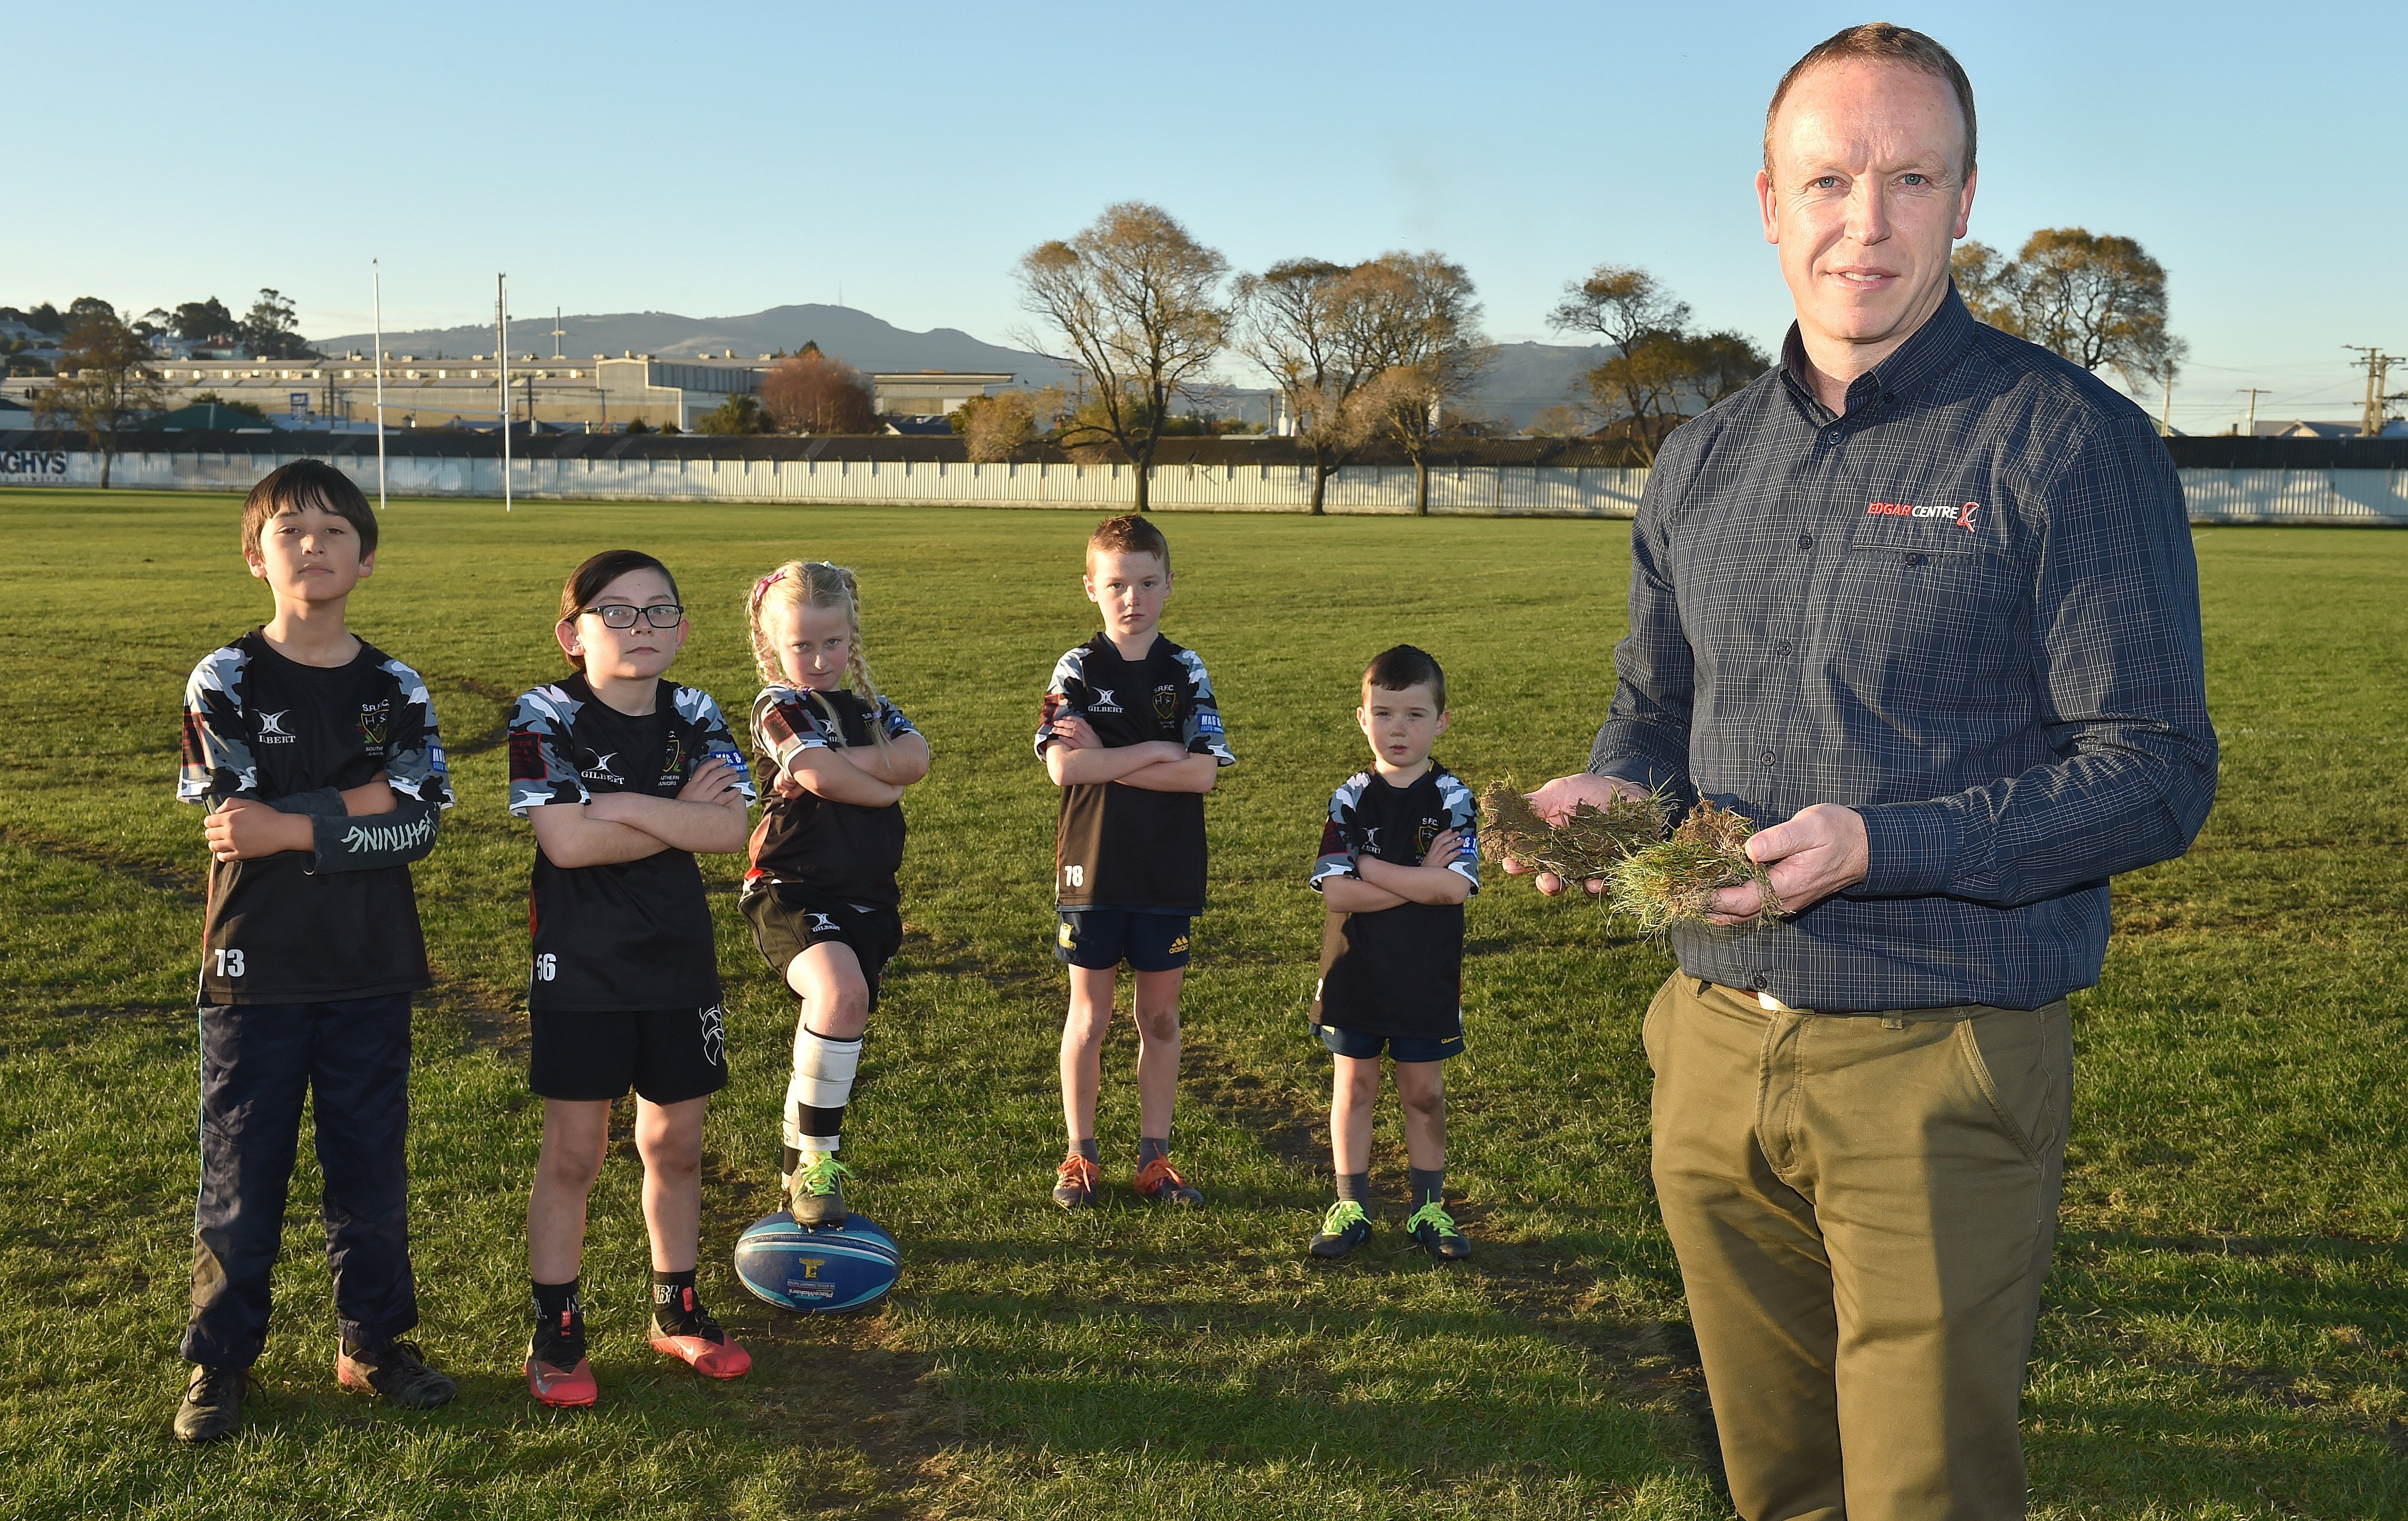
(817, 583)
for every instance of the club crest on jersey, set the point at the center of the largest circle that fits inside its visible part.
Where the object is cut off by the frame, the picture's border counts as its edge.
(272, 730)
(1102, 702)
(673, 763)
(375, 719)
(1166, 703)
(1423, 836)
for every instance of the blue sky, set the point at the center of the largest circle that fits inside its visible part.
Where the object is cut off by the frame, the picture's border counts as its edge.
(716, 160)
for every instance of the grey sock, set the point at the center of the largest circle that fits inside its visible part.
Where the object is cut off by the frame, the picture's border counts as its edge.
(1429, 1187)
(1355, 1186)
(1087, 1148)
(1148, 1149)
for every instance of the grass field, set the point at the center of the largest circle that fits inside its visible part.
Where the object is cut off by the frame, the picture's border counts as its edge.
(2224, 1335)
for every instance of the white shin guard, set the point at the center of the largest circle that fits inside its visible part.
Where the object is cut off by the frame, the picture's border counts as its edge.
(823, 1079)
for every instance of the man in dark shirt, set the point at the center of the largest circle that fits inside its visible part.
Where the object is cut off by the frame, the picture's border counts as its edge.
(1922, 603)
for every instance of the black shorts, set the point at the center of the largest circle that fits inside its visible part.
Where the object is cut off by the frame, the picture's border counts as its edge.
(667, 1055)
(1355, 1044)
(789, 919)
(1102, 938)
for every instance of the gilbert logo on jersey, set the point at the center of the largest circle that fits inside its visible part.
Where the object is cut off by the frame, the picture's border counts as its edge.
(597, 767)
(272, 730)
(1102, 702)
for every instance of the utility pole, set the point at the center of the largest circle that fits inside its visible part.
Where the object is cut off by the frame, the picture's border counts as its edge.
(556, 333)
(2376, 363)
(502, 375)
(377, 275)
(2251, 429)
(2165, 416)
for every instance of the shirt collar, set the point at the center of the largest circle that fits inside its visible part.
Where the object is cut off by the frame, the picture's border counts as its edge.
(1930, 349)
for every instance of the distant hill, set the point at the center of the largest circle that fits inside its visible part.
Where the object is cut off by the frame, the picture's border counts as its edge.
(1522, 379)
(842, 333)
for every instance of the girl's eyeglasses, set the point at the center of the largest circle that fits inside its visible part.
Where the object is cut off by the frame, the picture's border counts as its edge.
(666, 615)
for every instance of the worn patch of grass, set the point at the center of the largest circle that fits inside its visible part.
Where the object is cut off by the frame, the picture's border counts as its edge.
(2222, 1337)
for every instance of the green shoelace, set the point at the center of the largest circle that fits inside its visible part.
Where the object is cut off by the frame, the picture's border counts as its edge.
(822, 1175)
(1343, 1213)
(1435, 1218)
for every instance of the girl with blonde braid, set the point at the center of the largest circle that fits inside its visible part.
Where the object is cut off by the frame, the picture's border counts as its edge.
(835, 758)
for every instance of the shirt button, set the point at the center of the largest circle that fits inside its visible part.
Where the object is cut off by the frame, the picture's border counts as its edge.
(1805, 541)
(1917, 558)
(1767, 758)
(1784, 649)
(1760, 982)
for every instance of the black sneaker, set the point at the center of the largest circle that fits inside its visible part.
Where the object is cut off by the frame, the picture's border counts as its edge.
(395, 1372)
(212, 1406)
(1342, 1229)
(1434, 1230)
(816, 1193)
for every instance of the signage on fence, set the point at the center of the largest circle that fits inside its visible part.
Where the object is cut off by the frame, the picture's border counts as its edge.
(33, 462)
(300, 399)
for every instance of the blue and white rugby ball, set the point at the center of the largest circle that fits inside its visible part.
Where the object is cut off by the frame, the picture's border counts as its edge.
(827, 1270)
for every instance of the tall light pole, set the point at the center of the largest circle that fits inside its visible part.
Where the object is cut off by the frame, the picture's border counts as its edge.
(502, 352)
(376, 275)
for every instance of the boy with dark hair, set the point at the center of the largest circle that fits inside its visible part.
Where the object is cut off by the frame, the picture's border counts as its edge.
(1399, 854)
(319, 761)
(1131, 734)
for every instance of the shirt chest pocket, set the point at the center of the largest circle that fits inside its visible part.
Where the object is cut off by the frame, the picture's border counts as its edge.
(1928, 574)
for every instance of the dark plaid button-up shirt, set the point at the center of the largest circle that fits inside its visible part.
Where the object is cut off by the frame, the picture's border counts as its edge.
(1968, 608)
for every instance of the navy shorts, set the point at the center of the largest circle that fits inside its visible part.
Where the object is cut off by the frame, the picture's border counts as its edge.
(1362, 1048)
(667, 1055)
(1102, 938)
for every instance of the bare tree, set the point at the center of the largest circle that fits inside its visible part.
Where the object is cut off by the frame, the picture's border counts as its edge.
(1137, 300)
(1297, 329)
(811, 393)
(2097, 299)
(104, 381)
(1413, 323)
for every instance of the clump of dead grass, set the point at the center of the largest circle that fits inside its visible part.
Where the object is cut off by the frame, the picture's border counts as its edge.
(1675, 882)
(1589, 843)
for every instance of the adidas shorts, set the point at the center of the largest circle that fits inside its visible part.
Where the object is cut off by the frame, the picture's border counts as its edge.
(788, 919)
(1099, 938)
(667, 1055)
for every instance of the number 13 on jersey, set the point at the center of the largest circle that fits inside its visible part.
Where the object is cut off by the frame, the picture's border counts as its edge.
(229, 962)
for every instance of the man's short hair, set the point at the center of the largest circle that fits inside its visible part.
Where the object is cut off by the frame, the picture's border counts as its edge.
(1130, 534)
(307, 483)
(1394, 670)
(1881, 42)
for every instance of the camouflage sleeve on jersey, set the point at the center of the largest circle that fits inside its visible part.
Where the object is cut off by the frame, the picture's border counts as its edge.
(783, 726)
(716, 742)
(543, 771)
(1463, 817)
(217, 763)
(414, 764)
(1339, 848)
(1065, 696)
(890, 719)
(1202, 733)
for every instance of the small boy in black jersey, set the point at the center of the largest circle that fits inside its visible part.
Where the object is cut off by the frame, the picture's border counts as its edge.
(1131, 734)
(319, 761)
(1398, 856)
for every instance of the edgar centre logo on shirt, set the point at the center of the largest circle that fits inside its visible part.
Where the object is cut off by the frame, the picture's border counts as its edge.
(1103, 702)
(1961, 515)
(272, 730)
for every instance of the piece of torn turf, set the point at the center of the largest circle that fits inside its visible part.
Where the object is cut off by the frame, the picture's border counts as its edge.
(1675, 882)
(1589, 843)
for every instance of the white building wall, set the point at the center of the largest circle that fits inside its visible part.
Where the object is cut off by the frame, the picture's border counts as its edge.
(2214, 496)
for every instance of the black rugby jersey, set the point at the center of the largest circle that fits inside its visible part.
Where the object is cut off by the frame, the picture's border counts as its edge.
(630, 934)
(1125, 846)
(340, 921)
(845, 850)
(1400, 971)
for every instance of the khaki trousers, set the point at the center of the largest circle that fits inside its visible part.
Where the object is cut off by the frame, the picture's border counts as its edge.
(1864, 1207)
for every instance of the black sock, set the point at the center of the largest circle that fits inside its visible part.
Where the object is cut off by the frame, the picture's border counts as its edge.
(675, 1303)
(1148, 1149)
(1428, 1186)
(559, 1324)
(1088, 1149)
(1355, 1186)
(788, 1160)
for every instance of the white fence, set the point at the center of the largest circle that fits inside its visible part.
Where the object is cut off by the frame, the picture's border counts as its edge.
(2370, 497)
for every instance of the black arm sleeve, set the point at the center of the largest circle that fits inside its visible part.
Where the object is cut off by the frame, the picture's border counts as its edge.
(373, 841)
(323, 802)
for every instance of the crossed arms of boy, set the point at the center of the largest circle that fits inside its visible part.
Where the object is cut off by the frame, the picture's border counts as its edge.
(1074, 755)
(247, 827)
(1383, 884)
